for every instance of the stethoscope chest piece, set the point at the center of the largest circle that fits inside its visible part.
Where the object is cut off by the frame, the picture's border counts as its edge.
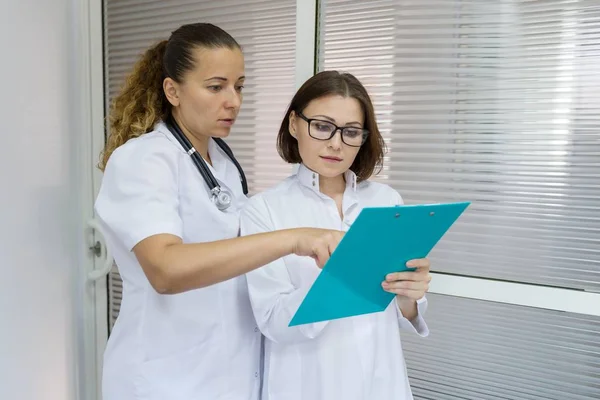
(221, 198)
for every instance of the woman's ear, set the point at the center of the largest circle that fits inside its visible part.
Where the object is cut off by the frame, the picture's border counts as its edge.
(171, 90)
(292, 124)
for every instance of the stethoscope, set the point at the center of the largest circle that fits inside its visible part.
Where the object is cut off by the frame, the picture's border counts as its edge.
(221, 197)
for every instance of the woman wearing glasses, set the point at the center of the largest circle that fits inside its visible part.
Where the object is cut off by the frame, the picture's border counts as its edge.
(330, 130)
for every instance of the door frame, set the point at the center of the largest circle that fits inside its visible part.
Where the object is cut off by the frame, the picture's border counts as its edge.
(93, 282)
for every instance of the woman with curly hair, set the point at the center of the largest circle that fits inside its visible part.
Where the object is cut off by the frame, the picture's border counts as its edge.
(169, 207)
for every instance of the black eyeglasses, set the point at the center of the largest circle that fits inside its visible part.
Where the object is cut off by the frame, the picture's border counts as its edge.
(325, 130)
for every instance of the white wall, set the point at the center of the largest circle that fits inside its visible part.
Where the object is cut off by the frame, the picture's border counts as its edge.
(41, 212)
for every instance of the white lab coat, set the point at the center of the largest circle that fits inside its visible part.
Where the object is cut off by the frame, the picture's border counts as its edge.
(357, 358)
(201, 344)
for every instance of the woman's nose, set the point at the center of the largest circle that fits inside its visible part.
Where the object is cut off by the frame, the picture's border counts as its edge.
(336, 141)
(233, 99)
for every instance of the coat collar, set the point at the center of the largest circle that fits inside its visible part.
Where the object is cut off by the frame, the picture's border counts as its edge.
(310, 179)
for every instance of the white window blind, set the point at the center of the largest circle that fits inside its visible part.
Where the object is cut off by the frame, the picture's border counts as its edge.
(480, 350)
(494, 102)
(497, 103)
(266, 30)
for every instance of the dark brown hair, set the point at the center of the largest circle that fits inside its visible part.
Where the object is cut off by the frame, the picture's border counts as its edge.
(142, 101)
(327, 83)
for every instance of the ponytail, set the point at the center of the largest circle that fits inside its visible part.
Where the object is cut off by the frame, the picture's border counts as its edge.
(140, 104)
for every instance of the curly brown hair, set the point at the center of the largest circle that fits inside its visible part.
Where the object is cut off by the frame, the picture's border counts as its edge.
(141, 102)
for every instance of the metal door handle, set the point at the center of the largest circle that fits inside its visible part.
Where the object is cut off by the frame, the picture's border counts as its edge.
(99, 249)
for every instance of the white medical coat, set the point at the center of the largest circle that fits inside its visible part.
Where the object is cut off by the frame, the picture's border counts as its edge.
(357, 358)
(201, 344)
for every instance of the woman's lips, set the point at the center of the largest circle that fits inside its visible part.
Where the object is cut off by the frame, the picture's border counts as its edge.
(227, 122)
(331, 159)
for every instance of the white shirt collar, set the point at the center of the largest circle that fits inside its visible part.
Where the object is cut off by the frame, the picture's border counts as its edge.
(218, 156)
(310, 179)
(161, 127)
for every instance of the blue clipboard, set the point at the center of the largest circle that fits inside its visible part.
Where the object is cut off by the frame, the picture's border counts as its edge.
(380, 241)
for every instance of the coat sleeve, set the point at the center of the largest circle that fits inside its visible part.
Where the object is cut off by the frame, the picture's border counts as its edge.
(139, 195)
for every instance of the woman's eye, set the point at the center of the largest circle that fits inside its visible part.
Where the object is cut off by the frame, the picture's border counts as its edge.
(239, 88)
(323, 127)
(353, 132)
(215, 88)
